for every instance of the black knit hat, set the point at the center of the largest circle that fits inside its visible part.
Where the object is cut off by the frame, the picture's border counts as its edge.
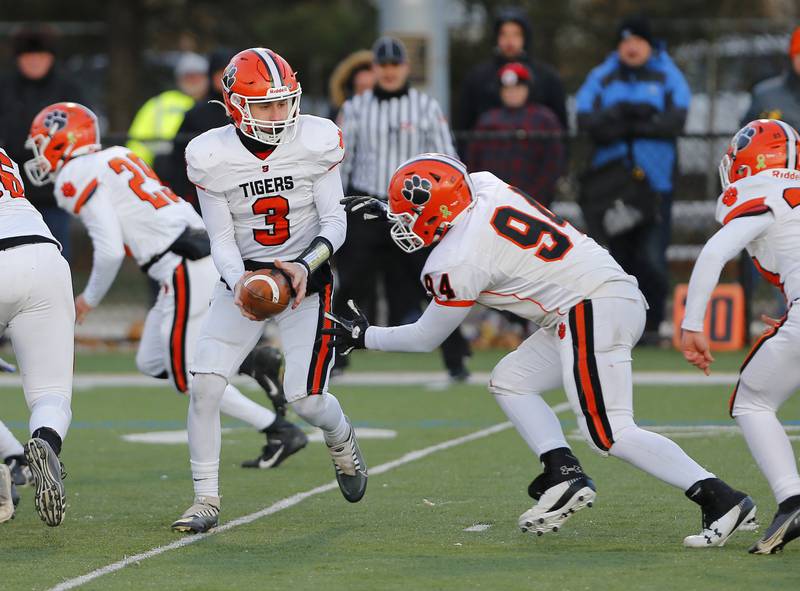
(637, 25)
(34, 39)
(517, 15)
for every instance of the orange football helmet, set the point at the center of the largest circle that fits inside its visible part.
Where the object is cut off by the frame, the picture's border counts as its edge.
(258, 76)
(760, 145)
(58, 133)
(427, 194)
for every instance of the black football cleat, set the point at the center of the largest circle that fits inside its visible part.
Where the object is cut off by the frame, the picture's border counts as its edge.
(784, 528)
(283, 440)
(351, 470)
(558, 500)
(263, 364)
(20, 471)
(48, 474)
(724, 511)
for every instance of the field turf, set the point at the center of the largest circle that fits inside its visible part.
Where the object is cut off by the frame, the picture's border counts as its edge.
(408, 532)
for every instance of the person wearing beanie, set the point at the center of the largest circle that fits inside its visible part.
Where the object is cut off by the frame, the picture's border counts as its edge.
(480, 90)
(779, 97)
(633, 106)
(157, 121)
(532, 164)
(204, 115)
(35, 81)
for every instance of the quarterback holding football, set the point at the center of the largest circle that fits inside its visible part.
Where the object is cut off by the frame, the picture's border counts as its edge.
(269, 188)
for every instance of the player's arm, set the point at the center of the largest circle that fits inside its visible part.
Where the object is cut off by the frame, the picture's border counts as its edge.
(327, 192)
(722, 247)
(98, 215)
(224, 250)
(426, 334)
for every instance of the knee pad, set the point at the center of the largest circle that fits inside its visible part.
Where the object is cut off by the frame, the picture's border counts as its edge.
(310, 407)
(207, 389)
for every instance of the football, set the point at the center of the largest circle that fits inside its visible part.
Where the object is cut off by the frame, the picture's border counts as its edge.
(265, 293)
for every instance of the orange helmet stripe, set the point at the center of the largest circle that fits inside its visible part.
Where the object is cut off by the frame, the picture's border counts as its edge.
(267, 57)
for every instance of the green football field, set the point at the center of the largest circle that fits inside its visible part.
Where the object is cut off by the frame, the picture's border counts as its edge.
(409, 531)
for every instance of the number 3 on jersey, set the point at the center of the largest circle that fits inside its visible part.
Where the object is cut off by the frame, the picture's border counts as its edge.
(275, 209)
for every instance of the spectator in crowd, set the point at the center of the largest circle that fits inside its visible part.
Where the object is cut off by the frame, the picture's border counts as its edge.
(351, 77)
(382, 128)
(634, 105)
(156, 123)
(779, 97)
(35, 82)
(480, 90)
(207, 114)
(532, 164)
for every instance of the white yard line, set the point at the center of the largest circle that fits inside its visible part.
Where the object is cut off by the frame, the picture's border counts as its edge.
(384, 378)
(286, 503)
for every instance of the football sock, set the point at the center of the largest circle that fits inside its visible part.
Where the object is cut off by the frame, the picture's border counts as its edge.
(324, 411)
(50, 436)
(658, 456)
(561, 461)
(237, 405)
(772, 451)
(204, 432)
(534, 420)
(9, 445)
(51, 411)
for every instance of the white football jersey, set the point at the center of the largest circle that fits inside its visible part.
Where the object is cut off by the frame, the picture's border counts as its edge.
(511, 253)
(17, 216)
(271, 200)
(775, 252)
(150, 215)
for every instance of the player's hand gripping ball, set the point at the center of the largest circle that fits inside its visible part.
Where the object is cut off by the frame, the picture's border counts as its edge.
(265, 293)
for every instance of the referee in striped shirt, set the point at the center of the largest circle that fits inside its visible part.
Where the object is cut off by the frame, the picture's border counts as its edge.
(382, 129)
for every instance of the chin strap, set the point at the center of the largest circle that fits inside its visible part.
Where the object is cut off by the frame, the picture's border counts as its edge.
(313, 257)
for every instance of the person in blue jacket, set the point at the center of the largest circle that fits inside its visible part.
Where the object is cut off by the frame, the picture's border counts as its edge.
(635, 103)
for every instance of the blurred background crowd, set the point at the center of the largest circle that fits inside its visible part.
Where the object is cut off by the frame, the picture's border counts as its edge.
(613, 113)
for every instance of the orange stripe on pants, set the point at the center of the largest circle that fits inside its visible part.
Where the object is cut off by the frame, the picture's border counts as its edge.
(324, 348)
(178, 336)
(586, 381)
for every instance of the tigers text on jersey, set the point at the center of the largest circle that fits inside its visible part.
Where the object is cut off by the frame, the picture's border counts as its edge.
(150, 215)
(774, 251)
(511, 253)
(17, 216)
(271, 200)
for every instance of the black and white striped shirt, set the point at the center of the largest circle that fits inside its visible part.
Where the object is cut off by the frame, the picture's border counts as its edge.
(382, 133)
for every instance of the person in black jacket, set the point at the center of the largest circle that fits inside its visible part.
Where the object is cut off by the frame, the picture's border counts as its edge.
(480, 90)
(35, 82)
(205, 115)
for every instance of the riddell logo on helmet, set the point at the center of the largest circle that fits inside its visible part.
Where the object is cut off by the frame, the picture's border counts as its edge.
(279, 90)
(786, 174)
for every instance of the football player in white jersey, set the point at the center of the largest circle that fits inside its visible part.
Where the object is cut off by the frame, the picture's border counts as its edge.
(269, 188)
(124, 206)
(759, 212)
(499, 247)
(36, 311)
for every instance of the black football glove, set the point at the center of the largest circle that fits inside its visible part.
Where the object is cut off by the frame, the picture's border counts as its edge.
(371, 208)
(348, 334)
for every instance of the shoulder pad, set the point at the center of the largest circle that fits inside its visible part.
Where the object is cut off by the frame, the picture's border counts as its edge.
(745, 197)
(203, 156)
(77, 181)
(323, 140)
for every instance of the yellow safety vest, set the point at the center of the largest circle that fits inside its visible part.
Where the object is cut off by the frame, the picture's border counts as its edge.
(156, 123)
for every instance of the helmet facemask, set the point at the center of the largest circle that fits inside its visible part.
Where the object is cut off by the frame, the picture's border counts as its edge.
(269, 132)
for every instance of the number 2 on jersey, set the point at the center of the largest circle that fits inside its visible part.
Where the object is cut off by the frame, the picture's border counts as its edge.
(140, 172)
(8, 180)
(275, 209)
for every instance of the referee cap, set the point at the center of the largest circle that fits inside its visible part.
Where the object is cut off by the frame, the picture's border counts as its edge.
(388, 50)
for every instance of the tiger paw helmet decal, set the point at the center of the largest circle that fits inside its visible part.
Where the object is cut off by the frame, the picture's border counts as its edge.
(55, 121)
(229, 77)
(417, 190)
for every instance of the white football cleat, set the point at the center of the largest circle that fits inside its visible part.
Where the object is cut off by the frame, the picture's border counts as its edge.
(6, 498)
(717, 532)
(557, 504)
(201, 517)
